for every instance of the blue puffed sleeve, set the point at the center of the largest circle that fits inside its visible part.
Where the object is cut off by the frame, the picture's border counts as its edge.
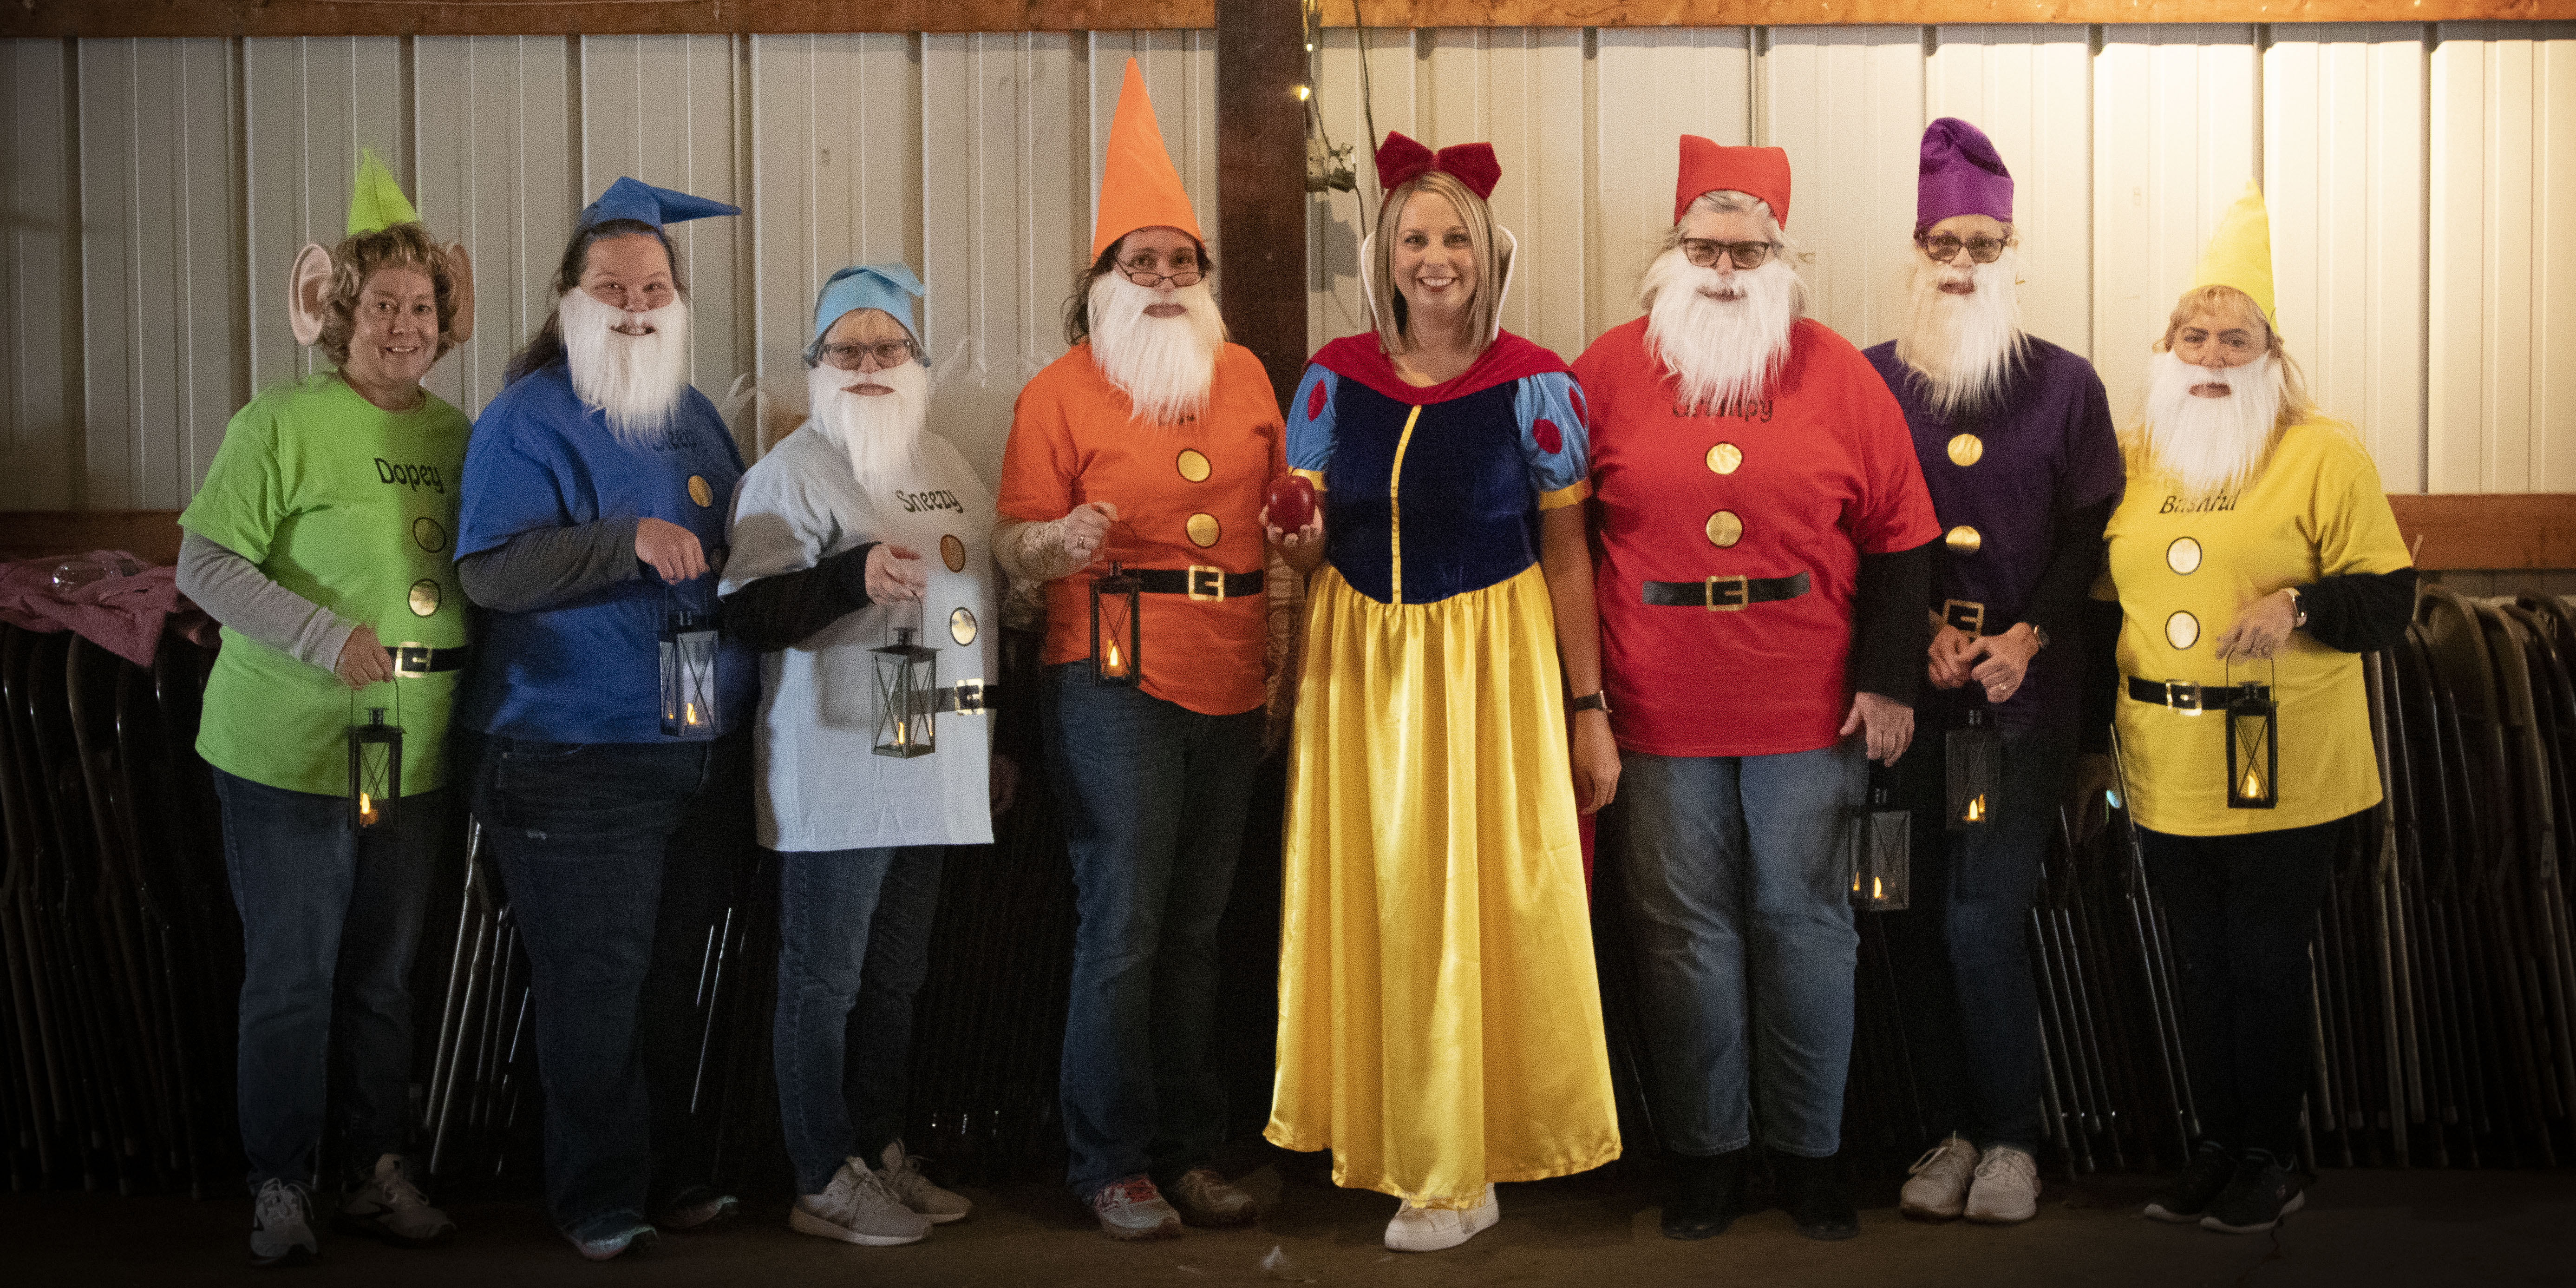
(1310, 424)
(1554, 439)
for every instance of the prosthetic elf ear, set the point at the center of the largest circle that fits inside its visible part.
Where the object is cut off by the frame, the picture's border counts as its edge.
(460, 266)
(308, 293)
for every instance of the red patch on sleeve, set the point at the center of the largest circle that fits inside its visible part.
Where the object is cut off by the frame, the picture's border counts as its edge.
(1581, 415)
(1315, 401)
(1549, 439)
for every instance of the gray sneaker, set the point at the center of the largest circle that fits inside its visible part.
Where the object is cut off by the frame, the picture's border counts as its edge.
(1131, 1208)
(281, 1226)
(902, 1175)
(389, 1207)
(858, 1208)
(2007, 1187)
(1205, 1197)
(1938, 1189)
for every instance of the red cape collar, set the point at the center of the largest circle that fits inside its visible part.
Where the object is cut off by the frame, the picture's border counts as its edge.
(1508, 358)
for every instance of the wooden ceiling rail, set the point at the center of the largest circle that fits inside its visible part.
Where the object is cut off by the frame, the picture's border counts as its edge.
(2489, 530)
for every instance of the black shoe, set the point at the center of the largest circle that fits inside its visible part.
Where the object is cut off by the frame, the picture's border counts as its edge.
(1707, 1194)
(2187, 1198)
(1817, 1197)
(2263, 1191)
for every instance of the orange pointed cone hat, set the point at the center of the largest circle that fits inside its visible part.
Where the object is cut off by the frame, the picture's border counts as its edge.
(1138, 186)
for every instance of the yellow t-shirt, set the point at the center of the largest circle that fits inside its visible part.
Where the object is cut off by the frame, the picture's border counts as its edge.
(2184, 566)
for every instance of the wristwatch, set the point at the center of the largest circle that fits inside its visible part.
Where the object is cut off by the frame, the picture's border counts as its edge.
(2298, 613)
(1593, 701)
(2038, 632)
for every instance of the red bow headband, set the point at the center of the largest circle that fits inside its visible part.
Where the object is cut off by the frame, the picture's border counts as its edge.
(1401, 160)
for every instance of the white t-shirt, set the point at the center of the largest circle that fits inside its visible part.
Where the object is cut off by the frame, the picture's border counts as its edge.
(821, 784)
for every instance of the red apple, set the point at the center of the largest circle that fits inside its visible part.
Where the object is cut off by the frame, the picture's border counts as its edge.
(1292, 502)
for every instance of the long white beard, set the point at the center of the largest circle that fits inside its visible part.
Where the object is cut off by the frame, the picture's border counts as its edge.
(1164, 365)
(2211, 445)
(1724, 353)
(880, 432)
(634, 380)
(1962, 347)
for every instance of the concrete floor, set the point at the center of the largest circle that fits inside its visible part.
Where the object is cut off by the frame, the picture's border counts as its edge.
(2361, 1228)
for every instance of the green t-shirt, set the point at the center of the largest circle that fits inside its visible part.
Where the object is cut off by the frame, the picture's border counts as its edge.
(354, 508)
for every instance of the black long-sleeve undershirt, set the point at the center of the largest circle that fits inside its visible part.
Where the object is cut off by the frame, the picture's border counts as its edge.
(2074, 560)
(1890, 631)
(784, 610)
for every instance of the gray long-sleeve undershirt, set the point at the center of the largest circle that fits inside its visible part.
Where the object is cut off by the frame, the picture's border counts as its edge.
(236, 593)
(543, 567)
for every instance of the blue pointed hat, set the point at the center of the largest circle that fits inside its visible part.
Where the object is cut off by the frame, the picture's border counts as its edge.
(634, 199)
(891, 287)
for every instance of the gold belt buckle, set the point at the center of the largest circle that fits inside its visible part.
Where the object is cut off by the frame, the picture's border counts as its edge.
(411, 659)
(2184, 696)
(1214, 579)
(1966, 614)
(1740, 594)
(970, 697)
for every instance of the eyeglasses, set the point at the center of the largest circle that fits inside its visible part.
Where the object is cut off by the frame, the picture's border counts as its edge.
(1943, 248)
(1747, 255)
(848, 356)
(1142, 273)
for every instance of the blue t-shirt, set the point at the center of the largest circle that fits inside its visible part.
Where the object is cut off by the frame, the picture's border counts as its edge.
(589, 669)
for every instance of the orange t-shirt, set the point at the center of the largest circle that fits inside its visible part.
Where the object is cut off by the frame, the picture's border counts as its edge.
(1075, 438)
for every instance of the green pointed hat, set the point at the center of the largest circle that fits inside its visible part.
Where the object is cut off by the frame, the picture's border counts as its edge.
(376, 203)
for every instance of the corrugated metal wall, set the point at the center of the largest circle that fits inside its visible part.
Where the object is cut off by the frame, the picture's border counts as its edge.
(2422, 179)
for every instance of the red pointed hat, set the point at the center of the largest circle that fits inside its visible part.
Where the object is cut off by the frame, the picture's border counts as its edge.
(1707, 167)
(1400, 159)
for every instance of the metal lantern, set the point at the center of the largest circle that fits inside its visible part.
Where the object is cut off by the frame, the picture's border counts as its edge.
(907, 706)
(688, 675)
(2253, 748)
(1115, 655)
(1882, 849)
(375, 770)
(1975, 763)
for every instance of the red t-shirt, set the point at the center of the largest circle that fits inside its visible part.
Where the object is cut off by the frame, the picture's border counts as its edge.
(1075, 438)
(1819, 473)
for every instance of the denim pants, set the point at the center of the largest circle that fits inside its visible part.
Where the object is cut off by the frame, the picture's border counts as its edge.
(1961, 950)
(853, 946)
(1153, 795)
(330, 920)
(617, 857)
(1738, 894)
(2243, 910)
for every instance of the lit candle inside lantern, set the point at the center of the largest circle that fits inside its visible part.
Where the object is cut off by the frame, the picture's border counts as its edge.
(1976, 811)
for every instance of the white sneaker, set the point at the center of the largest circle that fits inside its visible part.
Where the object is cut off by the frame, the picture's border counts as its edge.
(389, 1207)
(2006, 1189)
(902, 1175)
(1421, 1229)
(858, 1208)
(281, 1226)
(1939, 1190)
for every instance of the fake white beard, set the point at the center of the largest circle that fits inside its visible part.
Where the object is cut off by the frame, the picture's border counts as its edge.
(2211, 445)
(634, 380)
(1164, 365)
(1962, 348)
(1724, 353)
(880, 432)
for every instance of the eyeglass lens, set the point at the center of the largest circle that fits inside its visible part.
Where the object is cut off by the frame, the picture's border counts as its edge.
(1945, 248)
(1746, 255)
(1142, 273)
(847, 356)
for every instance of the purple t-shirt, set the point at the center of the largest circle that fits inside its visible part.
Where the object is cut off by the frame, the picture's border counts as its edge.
(2042, 449)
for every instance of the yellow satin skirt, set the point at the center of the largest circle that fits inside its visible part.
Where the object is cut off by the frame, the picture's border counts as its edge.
(1439, 1015)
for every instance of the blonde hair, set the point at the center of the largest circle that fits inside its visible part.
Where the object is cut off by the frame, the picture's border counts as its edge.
(1492, 262)
(2296, 406)
(359, 258)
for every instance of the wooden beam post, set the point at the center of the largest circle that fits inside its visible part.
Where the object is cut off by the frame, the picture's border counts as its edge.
(1261, 183)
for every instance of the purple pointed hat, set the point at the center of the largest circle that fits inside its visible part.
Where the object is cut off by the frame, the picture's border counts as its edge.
(1962, 174)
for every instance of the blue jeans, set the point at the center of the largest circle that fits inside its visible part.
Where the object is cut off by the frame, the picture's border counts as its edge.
(617, 858)
(1738, 893)
(330, 920)
(1961, 950)
(1153, 796)
(853, 947)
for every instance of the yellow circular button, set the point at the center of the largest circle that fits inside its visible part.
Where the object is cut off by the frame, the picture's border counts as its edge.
(1724, 529)
(2182, 630)
(1966, 450)
(961, 626)
(1963, 540)
(1192, 465)
(952, 552)
(424, 598)
(1203, 529)
(1724, 458)
(429, 534)
(2183, 556)
(699, 491)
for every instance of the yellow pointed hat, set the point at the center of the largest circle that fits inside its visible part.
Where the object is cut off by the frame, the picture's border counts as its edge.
(376, 202)
(1138, 186)
(2240, 252)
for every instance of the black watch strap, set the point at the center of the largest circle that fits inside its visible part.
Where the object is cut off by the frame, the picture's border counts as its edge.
(1593, 701)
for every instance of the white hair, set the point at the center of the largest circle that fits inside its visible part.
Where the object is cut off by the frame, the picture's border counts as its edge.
(2211, 446)
(635, 381)
(879, 432)
(1165, 366)
(1963, 348)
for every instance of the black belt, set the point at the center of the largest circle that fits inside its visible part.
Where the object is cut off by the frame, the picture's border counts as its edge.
(2185, 696)
(1724, 594)
(968, 696)
(1967, 615)
(1198, 581)
(419, 659)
